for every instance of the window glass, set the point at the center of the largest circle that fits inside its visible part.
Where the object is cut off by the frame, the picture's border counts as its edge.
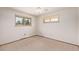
(23, 20)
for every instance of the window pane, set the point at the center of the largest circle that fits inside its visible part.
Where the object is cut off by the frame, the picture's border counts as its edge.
(50, 19)
(46, 20)
(18, 20)
(54, 19)
(23, 21)
(26, 22)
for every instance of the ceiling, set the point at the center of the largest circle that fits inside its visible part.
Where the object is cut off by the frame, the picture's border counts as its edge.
(36, 11)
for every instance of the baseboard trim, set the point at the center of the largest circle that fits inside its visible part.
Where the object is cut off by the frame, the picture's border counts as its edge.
(17, 40)
(58, 40)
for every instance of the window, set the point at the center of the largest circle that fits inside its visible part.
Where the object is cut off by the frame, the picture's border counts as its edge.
(23, 21)
(50, 19)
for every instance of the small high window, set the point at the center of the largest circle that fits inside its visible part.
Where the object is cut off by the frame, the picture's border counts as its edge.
(50, 19)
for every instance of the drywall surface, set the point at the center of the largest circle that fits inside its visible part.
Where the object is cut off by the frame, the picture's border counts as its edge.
(65, 30)
(78, 26)
(9, 31)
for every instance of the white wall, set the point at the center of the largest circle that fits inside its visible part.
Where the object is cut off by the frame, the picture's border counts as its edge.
(65, 30)
(8, 31)
(78, 26)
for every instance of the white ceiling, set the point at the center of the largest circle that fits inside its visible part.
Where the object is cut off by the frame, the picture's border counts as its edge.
(36, 11)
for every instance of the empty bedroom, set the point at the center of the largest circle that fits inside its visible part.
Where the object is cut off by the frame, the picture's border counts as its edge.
(39, 29)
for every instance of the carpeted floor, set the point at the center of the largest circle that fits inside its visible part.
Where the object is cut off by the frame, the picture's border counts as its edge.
(37, 43)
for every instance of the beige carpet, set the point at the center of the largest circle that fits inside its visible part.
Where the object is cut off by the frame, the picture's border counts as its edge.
(37, 43)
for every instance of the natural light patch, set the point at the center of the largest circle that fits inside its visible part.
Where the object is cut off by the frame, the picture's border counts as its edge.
(50, 19)
(47, 20)
(54, 19)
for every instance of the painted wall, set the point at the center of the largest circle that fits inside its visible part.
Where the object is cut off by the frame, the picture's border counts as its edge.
(65, 30)
(8, 31)
(78, 26)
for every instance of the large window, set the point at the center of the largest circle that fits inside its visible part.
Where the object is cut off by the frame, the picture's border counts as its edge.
(50, 19)
(22, 21)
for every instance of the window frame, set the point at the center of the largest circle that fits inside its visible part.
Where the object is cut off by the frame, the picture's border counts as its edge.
(50, 17)
(23, 18)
